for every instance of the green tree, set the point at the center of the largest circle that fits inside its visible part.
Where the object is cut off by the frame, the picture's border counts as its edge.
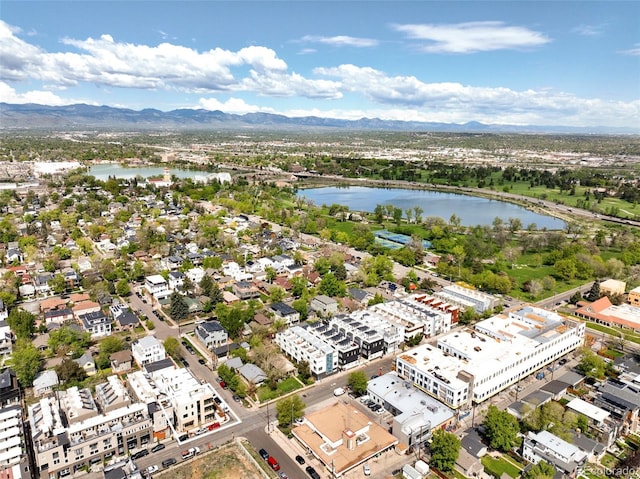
(22, 323)
(302, 307)
(331, 286)
(277, 294)
(58, 285)
(70, 373)
(357, 382)
(591, 365)
(68, 340)
(206, 285)
(445, 448)
(172, 347)
(178, 309)
(289, 409)
(542, 470)
(501, 429)
(298, 286)
(123, 288)
(25, 361)
(231, 318)
(215, 294)
(304, 371)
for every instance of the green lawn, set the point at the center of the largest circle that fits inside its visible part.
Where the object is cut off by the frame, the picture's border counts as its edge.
(285, 386)
(497, 467)
(614, 332)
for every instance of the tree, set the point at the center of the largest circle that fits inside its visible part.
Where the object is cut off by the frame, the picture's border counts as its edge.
(289, 409)
(123, 288)
(302, 307)
(25, 361)
(58, 285)
(215, 294)
(22, 323)
(331, 286)
(172, 347)
(501, 429)
(231, 318)
(68, 340)
(594, 293)
(179, 309)
(206, 285)
(542, 470)
(304, 371)
(445, 448)
(591, 365)
(357, 382)
(70, 372)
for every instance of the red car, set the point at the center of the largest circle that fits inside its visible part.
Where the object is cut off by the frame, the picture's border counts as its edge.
(273, 463)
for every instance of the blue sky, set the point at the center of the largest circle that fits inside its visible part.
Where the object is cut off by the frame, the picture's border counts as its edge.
(571, 63)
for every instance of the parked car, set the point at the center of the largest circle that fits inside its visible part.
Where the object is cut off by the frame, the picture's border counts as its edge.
(139, 454)
(264, 454)
(366, 470)
(169, 462)
(158, 447)
(152, 469)
(202, 361)
(300, 460)
(273, 463)
(338, 391)
(312, 472)
(562, 362)
(236, 398)
(283, 476)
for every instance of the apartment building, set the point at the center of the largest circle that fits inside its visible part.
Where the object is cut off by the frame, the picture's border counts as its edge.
(419, 314)
(475, 364)
(467, 297)
(301, 345)
(70, 433)
(13, 456)
(147, 350)
(544, 446)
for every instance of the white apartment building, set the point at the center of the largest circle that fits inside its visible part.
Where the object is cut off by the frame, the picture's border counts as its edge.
(300, 345)
(147, 350)
(157, 286)
(13, 457)
(419, 314)
(87, 437)
(392, 333)
(544, 446)
(475, 364)
(6, 341)
(466, 297)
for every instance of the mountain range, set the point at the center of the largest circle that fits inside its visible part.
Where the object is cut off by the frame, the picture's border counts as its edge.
(82, 117)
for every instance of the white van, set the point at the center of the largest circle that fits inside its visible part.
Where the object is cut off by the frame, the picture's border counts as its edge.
(338, 392)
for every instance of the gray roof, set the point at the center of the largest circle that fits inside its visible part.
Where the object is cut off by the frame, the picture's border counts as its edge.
(252, 373)
(210, 326)
(234, 363)
(159, 365)
(283, 308)
(555, 387)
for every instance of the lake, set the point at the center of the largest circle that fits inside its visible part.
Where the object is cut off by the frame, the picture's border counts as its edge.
(103, 171)
(471, 210)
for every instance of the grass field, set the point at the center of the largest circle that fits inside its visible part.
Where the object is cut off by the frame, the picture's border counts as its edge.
(497, 467)
(633, 337)
(284, 387)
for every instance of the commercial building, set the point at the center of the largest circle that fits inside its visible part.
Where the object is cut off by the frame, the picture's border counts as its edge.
(342, 438)
(416, 414)
(602, 311)
(634, 297)
(475, 364)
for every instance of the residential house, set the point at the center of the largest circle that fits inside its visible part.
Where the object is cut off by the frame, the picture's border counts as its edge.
(324, 305)
(245, 290)
(58, 316)
(195, 275)
(544, 446)
(361, 296)
(147, 350)
(85, 307)
(285, 312)
(41, 283)
(10, 391)
(45, 382)
(96, 323)
(6, 341)
(121, 361)
(4, 311)
(87, 363)
(252, 373)
(157, 286)
(211, 334)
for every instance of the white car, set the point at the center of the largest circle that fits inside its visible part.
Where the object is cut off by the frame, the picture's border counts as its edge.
(152, 469)
(366, 470)
(338, 391)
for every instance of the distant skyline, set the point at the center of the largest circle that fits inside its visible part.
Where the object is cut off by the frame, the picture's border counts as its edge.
(505, 62)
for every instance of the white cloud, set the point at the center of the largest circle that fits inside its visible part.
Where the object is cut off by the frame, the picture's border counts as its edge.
(232, 105)
(472, 37)
(42, 97)
(341, 41)
(457, 102)
(590, 30)
(635, 51)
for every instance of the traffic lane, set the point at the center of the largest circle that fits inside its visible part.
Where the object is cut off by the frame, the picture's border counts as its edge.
(260, 439)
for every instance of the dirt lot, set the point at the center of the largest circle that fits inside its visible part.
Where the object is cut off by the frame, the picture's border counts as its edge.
(227, 462)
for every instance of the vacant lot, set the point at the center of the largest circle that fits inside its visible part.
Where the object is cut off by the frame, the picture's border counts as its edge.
(227, 462)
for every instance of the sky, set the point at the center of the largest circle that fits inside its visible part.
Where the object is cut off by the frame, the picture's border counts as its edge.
(568, 63)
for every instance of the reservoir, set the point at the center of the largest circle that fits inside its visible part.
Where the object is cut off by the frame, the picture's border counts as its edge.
(471, 210)
(103, 171)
